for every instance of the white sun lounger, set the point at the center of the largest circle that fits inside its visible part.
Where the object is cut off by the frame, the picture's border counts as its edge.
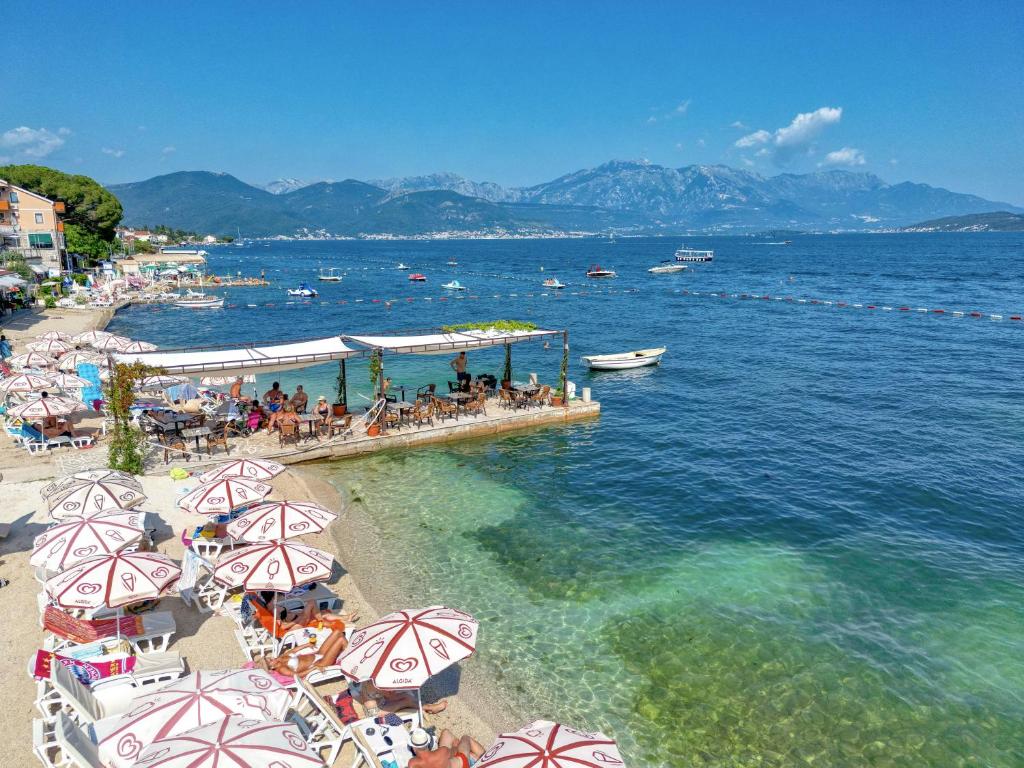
(157, 629)
(87, 705)
(62, 744)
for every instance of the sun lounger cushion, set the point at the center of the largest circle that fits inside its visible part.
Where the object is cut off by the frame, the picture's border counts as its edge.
(89, 630)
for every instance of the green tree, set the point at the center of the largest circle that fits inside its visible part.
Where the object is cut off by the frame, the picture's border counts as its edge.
(80, 240)
(88, 204)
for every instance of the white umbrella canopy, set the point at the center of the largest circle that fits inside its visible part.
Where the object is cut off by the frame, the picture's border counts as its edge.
(234, 742)
(31, 360)
(544, 744)
(70, 362)
(45, 407)
(279, 566)
(193, 701)
(113, 580)
(88, 337)
(405, 648)
(90, 475)
(85, 496)
(111, 343)
(26, 382)
(70, 381)
(223, 496)
(57, 335)
(275, 520)
(77, 539)
(159, 381)
(52, 347)
(138, 346)
(253, 469)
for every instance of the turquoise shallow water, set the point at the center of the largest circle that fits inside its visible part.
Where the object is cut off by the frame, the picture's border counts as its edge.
(798, 541)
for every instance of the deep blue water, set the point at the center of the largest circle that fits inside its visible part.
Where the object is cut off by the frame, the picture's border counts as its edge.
(798, 540)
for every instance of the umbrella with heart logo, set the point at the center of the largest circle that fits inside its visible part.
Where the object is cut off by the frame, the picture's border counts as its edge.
(223, 496)
(51, 347)
(113, 580)
(544, 744)
(405, 648)
(198, 699)
(45, 407)
(88, 337)
(89, 475)
(278, 566)
(234, 742)
(79, 538)
(70, 362)
(58, 335)
(84, 496)
(25, 382)
(274, 520)
(250, 469)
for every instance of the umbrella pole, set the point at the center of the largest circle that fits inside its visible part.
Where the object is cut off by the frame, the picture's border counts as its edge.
(273, 633)
(117, 623)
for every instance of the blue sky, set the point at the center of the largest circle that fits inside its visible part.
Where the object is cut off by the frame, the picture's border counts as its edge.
(519, 92)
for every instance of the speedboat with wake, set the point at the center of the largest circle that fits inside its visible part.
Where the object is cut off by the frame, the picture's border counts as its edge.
(416, 277)
(401, 265)
(622, 360)
(454, 285)
(667, 267)
(552, 282)
(599, 271)
(452, 263)
(304, 291)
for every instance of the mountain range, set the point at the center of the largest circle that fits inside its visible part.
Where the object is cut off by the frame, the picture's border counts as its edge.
(624, 196)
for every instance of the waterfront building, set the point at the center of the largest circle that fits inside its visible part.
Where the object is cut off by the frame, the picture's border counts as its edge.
(31, 226)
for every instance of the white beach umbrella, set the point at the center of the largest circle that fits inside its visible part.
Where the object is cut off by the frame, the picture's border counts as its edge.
(25, 382)
(58, 335)
(234, 742)
(86, 497)
(113, 580)
(278, 566)
(31, 360)
(79, 538)
(137, 347)
(223, 496)
(198, 699)
(253, 469)
(51, 347)
(88, 337)
(276, 520)
(160, 381)
(405, 648)
(70, 381)
(544, 744)
(46, 407)
(89, 475)
(70, 362)
(111, 343)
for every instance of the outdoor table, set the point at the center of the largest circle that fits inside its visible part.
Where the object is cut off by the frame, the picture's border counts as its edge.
(460, 398)
(401, 388)
(196, 432)
(403, 408)
(311, 419)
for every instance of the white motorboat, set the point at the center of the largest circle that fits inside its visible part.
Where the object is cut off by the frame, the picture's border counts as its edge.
(452, 263)
(623, 360)
(304, 291)
(454, 285)
(599, 271)
(401, 266)
(694, 255)
(667, 267)
(332, 275)
(199, 301)
(552, 282)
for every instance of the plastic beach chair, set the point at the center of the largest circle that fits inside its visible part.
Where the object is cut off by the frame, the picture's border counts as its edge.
(86, 705)
(148, 632)
(62, 744)
(372, 743)
(34, 441)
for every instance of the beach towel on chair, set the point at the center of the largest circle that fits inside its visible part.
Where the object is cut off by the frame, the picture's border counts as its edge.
(86, 670)
(90, 373)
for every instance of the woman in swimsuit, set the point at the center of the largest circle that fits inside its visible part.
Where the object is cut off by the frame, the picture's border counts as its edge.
(299, 661)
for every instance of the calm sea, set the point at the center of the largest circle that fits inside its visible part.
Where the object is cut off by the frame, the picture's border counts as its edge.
(797, 541)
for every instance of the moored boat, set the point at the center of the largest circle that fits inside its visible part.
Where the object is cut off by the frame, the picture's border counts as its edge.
(304, 291)
(416, 277)
(623, 360)
(401, 265)
(693, 255)
(332, 275)
(454, 285)
(452, 263)
(597, 270)
(552, 282)
(667, 267)
(199, 301)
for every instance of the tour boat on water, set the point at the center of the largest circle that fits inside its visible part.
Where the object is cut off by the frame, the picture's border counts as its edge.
(667, 267)
(192, 300)
(304, 291)
(623, 360)
(416, 277)
(693, 255)
(332, 275)
(552, 282)
(454, 285)
(598, 271)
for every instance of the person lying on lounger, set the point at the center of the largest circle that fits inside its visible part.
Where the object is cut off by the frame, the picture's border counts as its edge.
(308, 615)
(449, 753)
(303, 659)
(376, 700)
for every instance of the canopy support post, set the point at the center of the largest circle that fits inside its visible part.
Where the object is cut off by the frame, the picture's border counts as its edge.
(565, 368)
(380, 384)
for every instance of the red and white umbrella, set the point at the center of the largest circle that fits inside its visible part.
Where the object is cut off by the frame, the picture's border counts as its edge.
(31, 360)
(70, 381)
(72, 360)
(274, 520)
(59, 335)
(88, 337)
(113, 580)
(89, 475)
(26, 382)
(111, 343)
(405, 648)
(45, 407)
(223, 496)
(193, 701)
(544, 744)
(278, 566)
(86, 496)
(252, 469)
(160, 381)
(76, 539)
(235, 742)
(52, 347)
(137, 346)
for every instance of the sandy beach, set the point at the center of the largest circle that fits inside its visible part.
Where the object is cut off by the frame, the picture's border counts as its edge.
(204, 641)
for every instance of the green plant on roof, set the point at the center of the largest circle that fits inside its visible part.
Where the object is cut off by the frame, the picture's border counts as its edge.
(504, 326)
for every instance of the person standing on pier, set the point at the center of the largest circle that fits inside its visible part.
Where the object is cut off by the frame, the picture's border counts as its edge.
(458, 364)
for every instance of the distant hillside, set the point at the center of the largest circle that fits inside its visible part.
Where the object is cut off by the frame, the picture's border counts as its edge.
(622, 195)
(998, 221)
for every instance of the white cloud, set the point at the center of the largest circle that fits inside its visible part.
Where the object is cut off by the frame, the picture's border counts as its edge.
(846, 156)
(701, 142)
(739, 126)
(112, 152)
(652, 119)
(63, 131)
(168, 150)
(678, 110)
(748, 162)
(31, 142)
(893, 161)
(795, 138)
(682, 107)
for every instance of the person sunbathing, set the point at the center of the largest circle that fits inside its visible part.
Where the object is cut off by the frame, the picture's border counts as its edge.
(303, 659)
(449, 753)
(376, 700)
(263, 605)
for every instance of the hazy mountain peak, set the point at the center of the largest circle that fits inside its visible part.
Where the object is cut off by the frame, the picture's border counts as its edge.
(283, 186)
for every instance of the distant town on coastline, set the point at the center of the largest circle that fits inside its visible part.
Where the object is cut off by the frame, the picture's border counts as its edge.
(625, 197)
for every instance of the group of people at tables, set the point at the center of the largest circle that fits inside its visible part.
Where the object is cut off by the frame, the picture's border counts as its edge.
(444, 751)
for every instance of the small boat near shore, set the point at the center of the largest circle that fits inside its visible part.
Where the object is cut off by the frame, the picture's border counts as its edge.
(693, 255)
(452, 263)
(552, 282)
(304, 291)
(416, 277)
(199, 301)
(622, 360)
(401, 265)
(332, 275)
(454, 285)
(667, 267)
(598, 271)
